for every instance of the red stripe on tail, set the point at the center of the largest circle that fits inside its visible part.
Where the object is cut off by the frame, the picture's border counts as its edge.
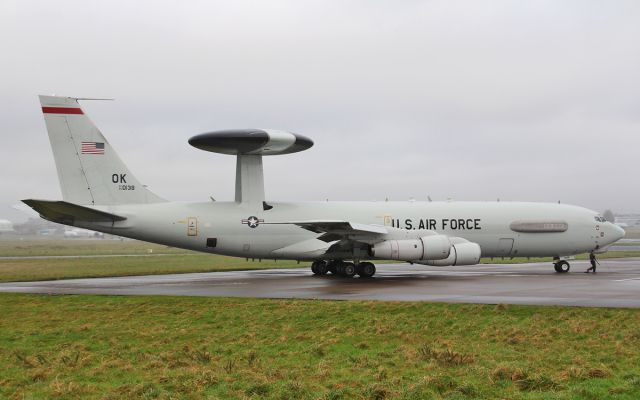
(61, 110)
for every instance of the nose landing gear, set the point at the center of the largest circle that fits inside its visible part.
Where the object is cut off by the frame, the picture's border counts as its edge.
(561, 266)
(343, 268)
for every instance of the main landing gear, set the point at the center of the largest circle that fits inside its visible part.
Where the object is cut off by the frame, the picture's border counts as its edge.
(561, 266)
(343, 268)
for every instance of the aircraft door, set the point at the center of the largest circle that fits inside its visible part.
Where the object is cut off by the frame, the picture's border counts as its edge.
(192, 226)
(505, 246)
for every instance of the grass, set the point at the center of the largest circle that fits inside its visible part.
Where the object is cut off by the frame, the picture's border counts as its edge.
(135, 262)
(107, 347)
(81, 247)
(46, 269)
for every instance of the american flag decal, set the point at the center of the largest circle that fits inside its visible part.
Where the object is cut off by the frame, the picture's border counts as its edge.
(92, 148)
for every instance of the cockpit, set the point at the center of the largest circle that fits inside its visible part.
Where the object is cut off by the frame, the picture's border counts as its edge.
(599, 218)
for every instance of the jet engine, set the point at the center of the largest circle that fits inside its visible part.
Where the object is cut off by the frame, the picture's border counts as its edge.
(434, 247)
(466, 253)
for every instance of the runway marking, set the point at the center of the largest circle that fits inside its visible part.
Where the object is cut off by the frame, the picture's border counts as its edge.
(629, 279)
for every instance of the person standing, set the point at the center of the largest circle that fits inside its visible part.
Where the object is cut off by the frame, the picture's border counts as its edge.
(592, 259)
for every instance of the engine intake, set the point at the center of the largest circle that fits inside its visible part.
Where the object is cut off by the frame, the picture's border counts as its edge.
(435, 247)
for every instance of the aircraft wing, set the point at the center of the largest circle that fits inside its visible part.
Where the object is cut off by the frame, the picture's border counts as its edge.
(335, 230)
(67, 213)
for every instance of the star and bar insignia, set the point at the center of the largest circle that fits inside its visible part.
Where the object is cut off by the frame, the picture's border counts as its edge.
(252, 221)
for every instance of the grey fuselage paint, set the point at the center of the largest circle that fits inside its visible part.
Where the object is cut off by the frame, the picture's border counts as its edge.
(250, 231)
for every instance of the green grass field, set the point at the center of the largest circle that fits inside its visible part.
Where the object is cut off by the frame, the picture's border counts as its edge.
(45, 269)
(38, 246)
(108, 347)
(138, 258)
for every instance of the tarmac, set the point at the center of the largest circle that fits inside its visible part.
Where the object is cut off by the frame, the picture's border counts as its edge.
(616, 284)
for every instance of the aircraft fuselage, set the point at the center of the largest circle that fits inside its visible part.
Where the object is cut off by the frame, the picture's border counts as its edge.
(244, 231)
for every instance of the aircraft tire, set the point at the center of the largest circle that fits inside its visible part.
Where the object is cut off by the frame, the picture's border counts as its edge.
(331, 267)
(348, 269)
(322, 268)
(314, 267)
(366, 269)
(562, 267)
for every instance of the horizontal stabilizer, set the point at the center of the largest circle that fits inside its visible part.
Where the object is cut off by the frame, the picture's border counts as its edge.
(67, 213)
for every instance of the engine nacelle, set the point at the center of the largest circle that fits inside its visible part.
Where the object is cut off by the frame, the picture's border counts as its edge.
(434, 247)
(461, 254)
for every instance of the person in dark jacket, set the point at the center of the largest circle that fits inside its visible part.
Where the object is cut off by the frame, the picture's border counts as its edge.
(592, 259)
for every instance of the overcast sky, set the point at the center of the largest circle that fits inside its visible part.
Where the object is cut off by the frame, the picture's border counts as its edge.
(470, 100)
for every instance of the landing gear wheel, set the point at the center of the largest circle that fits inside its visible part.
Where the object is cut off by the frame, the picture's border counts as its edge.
(348, 269)
(366, 269)
(319, 267)
(332, 267)
(561, 267)
(322, 268)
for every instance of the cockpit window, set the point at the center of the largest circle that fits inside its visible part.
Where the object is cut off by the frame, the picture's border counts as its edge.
(599, 218)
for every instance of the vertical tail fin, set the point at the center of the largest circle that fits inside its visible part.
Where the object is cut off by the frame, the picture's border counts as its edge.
(89, 170)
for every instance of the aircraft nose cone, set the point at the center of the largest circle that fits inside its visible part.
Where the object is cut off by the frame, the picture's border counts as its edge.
(618, 232)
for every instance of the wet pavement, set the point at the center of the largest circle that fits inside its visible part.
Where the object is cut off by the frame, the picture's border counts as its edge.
(617, 284)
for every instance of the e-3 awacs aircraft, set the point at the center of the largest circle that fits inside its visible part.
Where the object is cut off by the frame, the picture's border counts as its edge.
(100, 193)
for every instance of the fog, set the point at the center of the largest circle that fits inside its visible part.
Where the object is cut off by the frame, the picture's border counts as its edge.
(467, 100)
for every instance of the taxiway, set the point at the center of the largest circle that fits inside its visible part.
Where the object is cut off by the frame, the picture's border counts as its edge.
(617, 284)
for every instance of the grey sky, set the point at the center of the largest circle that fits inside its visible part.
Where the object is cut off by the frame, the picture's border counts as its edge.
(464, 99)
